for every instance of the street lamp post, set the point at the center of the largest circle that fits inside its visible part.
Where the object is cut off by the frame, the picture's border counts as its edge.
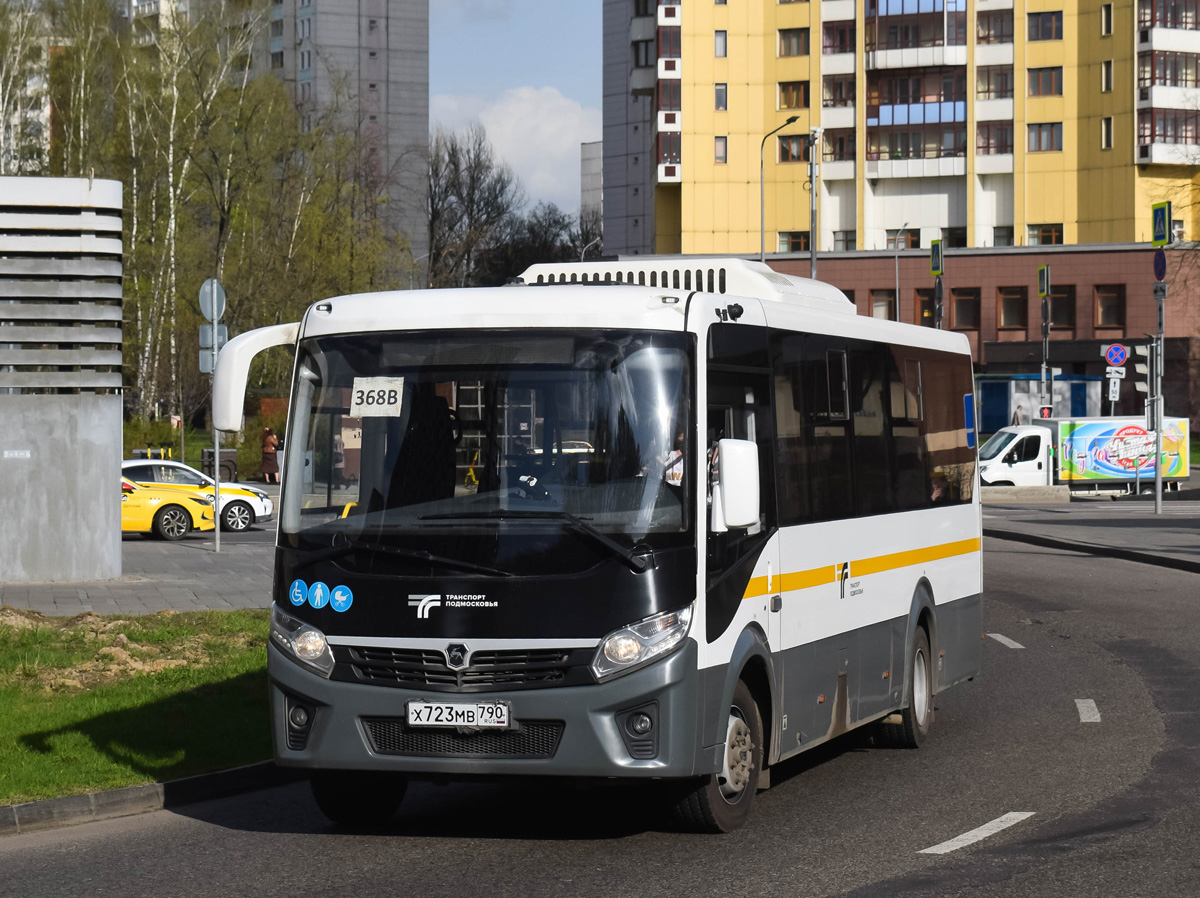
(814, 168)
(415, 268)
(762, 192)
(896, 296)
(583, 252)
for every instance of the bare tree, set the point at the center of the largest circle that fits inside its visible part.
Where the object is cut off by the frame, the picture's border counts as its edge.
(24, 116)
(471, 195)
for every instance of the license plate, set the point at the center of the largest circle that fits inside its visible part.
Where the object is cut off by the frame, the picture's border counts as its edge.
(485, 715)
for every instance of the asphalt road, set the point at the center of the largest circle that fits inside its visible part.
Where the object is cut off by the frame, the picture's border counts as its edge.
(1115, 804)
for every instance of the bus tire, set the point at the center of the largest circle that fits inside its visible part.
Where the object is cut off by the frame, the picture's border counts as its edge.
(917, 716)
(356, 797)
(720, 802)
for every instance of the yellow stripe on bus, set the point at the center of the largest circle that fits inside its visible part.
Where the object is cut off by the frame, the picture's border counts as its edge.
(759, 586)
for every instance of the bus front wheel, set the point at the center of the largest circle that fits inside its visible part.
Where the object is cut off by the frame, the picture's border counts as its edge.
(720, 802)
(356, 797)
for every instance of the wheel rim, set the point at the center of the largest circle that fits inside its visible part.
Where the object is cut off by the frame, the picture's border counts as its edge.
(237, 517)
(174, 523)
(920, 687)
(738, 761)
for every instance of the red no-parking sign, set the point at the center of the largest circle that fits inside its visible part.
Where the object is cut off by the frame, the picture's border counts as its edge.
(1116, 354)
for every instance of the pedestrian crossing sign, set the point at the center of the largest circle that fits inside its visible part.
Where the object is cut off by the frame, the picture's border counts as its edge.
(1160, 223)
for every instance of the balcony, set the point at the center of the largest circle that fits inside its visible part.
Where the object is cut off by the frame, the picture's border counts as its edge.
(1164, 96)
(670, 173)
(918, 57)
(670, 15)
(993, 54)
(1168, 153)
(999, 110)
(145, 8)
(835, 10)
(840, 170)
(1177, 40)
(837, 117)
(837, 64)
(883, 116)
(642, 81)
(670, 69)
(670, 120)
(941, 167)
(994, 164)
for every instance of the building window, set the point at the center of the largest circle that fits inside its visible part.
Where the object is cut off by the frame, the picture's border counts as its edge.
(373, 25)
(669, 94)
(1045, 137)
(1046, 26)
(1045, 82)
(643, 54)
(1062, 306)
(305, 88)
(1106, 133)
(1110, 305)
(909, 238)
(793, 42)
(838, 90)
(1013, 305)
(1045, 234)
(845, 241)
(1106, 76)
(371, 54)
(994, 139)
(721, 149)
(1002, 236)
(793, 241)
(793, 95)
(954, 238)
(838, 37)
(305, 60)
(277, 28)
(372, 86)
(793, 148)
(644, 7)
(925, 307)
(994, 82)
(1168, 69)
(1106, 10)
(668, 147)
(669, 42)
(994, 27)
(721, 44)
(965, 304)
(839, 146)
(1169, 14)
(1178, 126)
(883, 304)
(721, 96)
(277, 59)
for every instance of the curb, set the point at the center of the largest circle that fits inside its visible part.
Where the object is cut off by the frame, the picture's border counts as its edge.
(70, 810)
(1047, 542)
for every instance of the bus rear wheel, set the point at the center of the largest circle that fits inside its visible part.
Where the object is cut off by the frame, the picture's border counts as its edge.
(909, 727)
(356, 797)
(720, 802)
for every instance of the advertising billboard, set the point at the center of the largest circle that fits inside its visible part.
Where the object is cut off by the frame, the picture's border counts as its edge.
(1120, 450)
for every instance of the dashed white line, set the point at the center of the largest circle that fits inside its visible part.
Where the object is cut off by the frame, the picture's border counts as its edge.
(1088, 712)
(1004, 640)
(982, 832)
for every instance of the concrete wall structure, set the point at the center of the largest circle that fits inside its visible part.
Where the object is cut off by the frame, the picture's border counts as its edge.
(60, 379)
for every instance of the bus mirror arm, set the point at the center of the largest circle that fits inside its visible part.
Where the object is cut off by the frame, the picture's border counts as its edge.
(233, 369)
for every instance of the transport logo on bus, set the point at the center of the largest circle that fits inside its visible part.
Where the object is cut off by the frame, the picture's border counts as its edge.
(424, 604)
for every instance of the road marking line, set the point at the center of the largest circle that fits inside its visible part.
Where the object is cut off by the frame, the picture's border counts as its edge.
(1004, 640)
(1088, 712)
(982, 832)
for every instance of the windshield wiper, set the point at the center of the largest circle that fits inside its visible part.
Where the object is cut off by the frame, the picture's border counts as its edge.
(346, 548)
(637, 563)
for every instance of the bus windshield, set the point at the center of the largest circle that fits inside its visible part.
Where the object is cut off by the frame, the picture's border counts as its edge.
(496, 449)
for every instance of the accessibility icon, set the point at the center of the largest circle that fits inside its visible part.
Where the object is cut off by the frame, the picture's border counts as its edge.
(341, 598)
(318, 595)
(298, 592)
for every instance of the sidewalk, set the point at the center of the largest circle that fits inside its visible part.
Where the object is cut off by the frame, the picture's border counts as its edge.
(1126, 529)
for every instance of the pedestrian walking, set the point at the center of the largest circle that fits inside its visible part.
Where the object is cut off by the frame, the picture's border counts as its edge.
(270, 460)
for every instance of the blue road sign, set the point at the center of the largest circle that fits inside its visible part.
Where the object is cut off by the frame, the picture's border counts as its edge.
(341, 598)
(298, 592)
(1160, 265)
(318, 595)
(1160, 224)
(1116, 354)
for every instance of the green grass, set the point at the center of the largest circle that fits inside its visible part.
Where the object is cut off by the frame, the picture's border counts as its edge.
(97, 703)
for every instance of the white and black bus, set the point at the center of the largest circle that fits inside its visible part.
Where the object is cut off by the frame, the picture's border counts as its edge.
(629, 519)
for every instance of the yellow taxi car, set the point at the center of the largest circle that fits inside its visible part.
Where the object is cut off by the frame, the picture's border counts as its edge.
(165, 513)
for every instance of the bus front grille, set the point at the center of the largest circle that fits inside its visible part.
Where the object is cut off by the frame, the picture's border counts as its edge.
(530, 739)
(488, 670)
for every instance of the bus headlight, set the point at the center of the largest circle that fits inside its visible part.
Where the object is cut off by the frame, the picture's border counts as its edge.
(638, 644)
(301, 642)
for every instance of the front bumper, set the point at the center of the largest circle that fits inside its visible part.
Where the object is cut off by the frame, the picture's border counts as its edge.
(589, 744)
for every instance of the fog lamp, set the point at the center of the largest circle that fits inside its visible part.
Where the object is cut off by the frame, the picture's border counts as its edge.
(298, 717)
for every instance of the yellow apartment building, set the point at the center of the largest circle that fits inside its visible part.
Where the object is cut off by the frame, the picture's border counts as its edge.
(981, 123)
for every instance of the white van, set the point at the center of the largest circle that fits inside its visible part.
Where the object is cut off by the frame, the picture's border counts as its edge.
(1020, 455)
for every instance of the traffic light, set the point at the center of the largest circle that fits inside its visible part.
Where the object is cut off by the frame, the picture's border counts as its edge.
(1142, 365)
(1045, 317)
(1045, 411)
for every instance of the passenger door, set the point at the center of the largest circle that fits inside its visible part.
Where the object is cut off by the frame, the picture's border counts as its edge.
(1028, 465)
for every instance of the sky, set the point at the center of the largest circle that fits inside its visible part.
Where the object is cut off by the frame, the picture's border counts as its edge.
(529, 72)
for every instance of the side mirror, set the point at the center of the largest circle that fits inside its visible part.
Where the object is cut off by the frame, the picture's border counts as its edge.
(233, 370)
(736, 499)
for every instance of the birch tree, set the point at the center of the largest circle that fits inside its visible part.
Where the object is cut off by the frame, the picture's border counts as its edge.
(24, 116)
